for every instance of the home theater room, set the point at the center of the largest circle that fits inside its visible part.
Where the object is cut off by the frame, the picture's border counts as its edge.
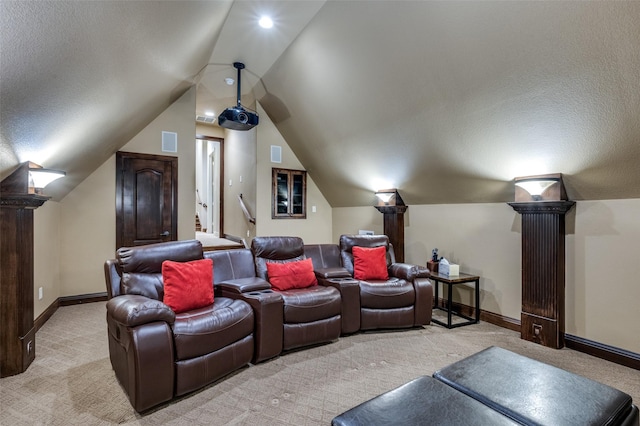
(319, 212)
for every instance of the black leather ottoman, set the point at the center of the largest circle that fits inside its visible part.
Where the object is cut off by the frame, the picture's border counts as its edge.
(534, 393)
(422, 401)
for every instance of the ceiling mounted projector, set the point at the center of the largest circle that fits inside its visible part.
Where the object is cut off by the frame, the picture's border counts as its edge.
(237, 117)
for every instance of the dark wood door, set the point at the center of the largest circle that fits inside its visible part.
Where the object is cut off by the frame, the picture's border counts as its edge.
(146, 199)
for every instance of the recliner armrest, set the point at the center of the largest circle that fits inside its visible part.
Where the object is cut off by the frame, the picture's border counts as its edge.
(408, 271)
(134, 310)
(243, 285)
(329, 273)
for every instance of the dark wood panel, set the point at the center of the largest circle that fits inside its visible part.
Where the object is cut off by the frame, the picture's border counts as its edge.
(146, 199)
(17, 334)
(393, 225)
(147, 196)
(543, 269)
(543, 264)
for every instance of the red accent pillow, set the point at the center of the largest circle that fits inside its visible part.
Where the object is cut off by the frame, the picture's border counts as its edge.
(187, 285)
(296, 274)
(370, 263)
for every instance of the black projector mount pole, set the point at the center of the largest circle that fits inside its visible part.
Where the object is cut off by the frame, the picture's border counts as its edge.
(239, 66)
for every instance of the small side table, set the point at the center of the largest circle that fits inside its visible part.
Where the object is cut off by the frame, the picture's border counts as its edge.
(451, 281)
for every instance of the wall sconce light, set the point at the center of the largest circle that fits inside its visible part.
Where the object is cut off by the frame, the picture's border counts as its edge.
(40, 177)
(389, 197)
(384, 196)
(29, 179)
(540, 188)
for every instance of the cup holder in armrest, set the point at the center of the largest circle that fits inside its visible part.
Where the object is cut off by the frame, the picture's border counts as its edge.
(258, 293)
(341, 280)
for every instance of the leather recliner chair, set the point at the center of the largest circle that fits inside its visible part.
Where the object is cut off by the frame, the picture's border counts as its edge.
(404, 300)
(310, 315)
(157, 354)
(283, 319)
(234, 276)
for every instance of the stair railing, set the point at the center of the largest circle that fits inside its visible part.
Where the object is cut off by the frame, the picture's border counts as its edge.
(247, 215)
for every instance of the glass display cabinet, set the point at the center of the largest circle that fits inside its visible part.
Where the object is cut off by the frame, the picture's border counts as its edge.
(289, 194)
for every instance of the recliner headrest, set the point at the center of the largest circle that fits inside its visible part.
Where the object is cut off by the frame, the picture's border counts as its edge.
(141, 266)
(275, 249)
(348, 241)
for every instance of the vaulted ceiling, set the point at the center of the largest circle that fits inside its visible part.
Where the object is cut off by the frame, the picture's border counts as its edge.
(447, 101)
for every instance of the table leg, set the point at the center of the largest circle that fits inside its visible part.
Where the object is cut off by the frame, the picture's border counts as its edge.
(450, 296)
(478, 300)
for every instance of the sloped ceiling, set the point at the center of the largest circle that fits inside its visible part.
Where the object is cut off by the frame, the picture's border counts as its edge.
(446, 101)
(449, 101)
(79, 79)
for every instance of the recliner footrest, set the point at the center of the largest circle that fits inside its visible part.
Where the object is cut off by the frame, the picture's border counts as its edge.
(535, 393)
(422, 401)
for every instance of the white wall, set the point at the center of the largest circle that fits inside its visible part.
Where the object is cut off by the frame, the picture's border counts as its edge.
(46, 255)
(603, 266)
(88, 232)
(602, 259)
(317, 227)
(239, 178)
(87, 214)
(602, 245)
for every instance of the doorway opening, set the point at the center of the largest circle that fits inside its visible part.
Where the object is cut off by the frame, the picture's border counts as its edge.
(209, 189)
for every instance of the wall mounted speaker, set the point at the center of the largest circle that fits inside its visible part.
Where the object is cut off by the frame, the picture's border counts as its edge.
(169, 142)
(276, 154)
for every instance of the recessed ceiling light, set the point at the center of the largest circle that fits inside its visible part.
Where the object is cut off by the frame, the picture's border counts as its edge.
(209, 114)
(265, 22)
(229, 81)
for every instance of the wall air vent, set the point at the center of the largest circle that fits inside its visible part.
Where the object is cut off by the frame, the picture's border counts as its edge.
(205, 119)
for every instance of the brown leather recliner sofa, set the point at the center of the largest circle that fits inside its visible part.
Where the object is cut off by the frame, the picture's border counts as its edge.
(285, 319)
(403, 300)
(157, 354)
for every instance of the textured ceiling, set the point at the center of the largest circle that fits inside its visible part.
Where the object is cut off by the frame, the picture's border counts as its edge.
(447, 101)
(80, 79)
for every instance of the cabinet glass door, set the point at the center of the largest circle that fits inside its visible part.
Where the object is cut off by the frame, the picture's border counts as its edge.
(297, 198)
(289, 192)
(282, 193)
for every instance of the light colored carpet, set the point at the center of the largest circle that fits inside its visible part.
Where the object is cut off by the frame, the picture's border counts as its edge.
(209, 241)
(71, 381)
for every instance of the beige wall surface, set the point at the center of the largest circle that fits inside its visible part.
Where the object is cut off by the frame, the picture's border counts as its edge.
(350, 220)
(46, 255)
(87, 217)
(209, 130)
(88, 232)
(482, 238)
(603, 265)
(602, 260)
(316, 228)
(239, 178)
(601, 247)
(177, 118)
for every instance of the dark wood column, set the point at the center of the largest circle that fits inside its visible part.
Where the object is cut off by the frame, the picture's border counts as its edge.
(17, 332)
(393, 208)
(393, 225)
(543, 271)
